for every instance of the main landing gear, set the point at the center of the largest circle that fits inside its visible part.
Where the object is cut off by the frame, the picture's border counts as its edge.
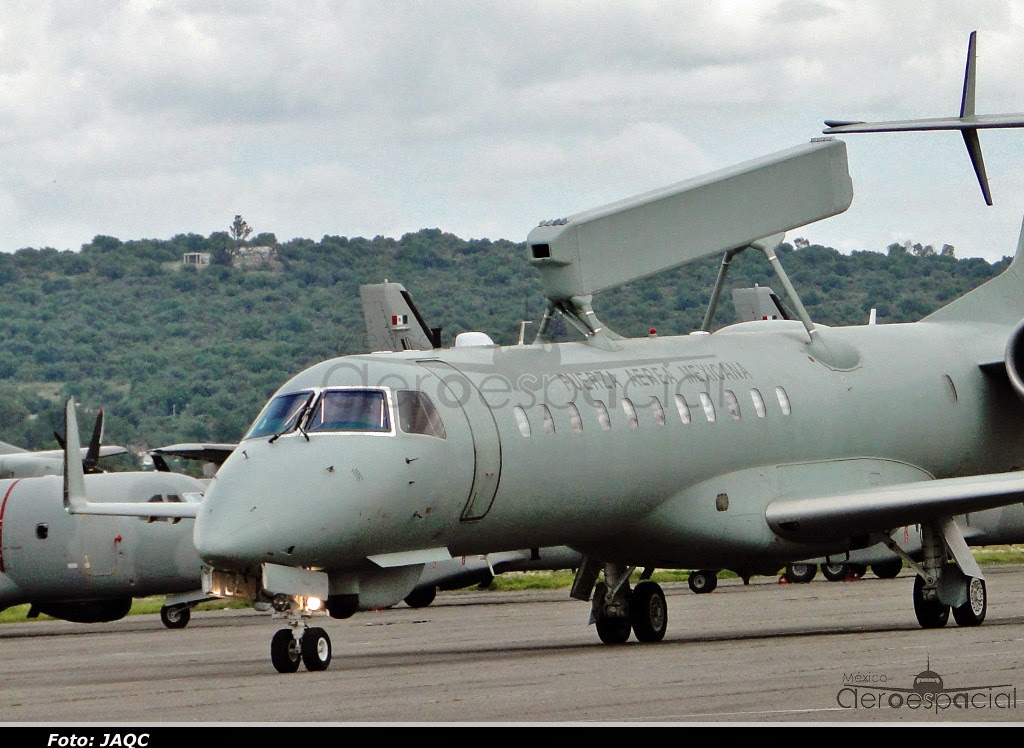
(948, 579)
(703, 581)
(616, 610)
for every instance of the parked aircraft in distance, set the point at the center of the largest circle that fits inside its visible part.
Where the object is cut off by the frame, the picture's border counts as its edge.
(88, 569)
(757, 444)
(16, 462)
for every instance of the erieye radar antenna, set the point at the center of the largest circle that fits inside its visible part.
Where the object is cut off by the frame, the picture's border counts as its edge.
(751, 204)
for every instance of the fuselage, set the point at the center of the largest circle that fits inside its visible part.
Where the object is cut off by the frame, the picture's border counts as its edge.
(661, 451)
(50, 556)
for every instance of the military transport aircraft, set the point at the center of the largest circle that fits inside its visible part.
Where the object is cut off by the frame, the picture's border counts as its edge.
(16, 462)
(759, 443)
(88, 569)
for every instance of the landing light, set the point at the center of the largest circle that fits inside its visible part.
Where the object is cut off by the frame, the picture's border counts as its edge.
(313, 604)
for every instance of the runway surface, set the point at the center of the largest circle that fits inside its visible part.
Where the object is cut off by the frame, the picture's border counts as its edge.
(765, 652)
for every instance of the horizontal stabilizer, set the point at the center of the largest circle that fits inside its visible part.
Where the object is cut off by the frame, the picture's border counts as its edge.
(968, 123)
(729, 209)
(179, 510)
(839, 516)
(978, 122)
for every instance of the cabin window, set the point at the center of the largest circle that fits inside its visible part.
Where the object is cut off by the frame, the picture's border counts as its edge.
(630, 411)
(574, 418)
(755, 395)
(708, 405)
(349, 410)
(280, 415)
(783, 401)
(683, 408)
(417, 414)
(549, 422)
(602, 415)
(732, 404)
(521, 420)
(657, 411)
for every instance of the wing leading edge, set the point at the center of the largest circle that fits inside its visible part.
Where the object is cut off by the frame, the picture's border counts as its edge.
(838, 516)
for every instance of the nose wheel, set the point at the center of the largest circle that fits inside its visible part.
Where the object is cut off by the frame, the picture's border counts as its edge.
(294, 646)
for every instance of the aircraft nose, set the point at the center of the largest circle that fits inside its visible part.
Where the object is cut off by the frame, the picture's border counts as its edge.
(231, 531)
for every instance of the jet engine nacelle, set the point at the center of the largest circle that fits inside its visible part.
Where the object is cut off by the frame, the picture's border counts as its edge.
(1014, 359)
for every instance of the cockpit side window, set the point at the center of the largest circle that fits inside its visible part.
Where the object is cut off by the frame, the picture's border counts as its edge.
(349, 410)
(280, 414)
(417, 414)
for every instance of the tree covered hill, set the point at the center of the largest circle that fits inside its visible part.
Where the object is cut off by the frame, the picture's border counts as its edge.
(175, 353)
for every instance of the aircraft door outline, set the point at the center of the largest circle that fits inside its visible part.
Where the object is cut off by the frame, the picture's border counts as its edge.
(486, 442)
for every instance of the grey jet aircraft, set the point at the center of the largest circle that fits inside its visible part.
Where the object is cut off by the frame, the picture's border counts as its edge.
(757, 444)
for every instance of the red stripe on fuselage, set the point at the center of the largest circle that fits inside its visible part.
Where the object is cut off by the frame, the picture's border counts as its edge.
(3, 508)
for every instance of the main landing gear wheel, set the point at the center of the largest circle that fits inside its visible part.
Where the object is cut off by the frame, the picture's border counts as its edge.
(801, 573)
(888, 569)
(611, 629)
(316, 649)
(648, 612)
(931, 614)
(421, 597)
(285, 651)
(972, 612)
(834, 572)
(702, 581)
(175, 616)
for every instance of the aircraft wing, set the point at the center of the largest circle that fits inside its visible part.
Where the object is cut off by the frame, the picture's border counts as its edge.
(58, 454)
(838, 516)
(215, 453)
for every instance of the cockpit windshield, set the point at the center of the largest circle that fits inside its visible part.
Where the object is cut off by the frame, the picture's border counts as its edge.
(350, 410)
(280, 415)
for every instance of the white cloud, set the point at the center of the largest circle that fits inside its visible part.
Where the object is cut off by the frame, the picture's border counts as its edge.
(482, 118)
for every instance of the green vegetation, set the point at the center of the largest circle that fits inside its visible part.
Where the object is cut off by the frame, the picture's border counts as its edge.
(178, 354)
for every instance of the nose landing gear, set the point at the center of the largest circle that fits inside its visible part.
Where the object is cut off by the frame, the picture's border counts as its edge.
(299, 643)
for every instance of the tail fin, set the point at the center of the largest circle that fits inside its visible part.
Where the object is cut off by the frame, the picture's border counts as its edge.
(968, 123)
(393, 323)
(1000, 300)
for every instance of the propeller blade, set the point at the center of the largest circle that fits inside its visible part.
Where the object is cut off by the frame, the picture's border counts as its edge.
(160, 463)
(92, 456)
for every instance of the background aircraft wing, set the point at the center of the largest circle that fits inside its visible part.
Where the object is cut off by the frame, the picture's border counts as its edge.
(838, 516)
(215, 453)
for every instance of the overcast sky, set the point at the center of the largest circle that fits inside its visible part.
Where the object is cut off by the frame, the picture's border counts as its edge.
(150, 119)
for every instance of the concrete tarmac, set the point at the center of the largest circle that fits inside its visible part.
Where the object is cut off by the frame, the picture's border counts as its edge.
(763, 653)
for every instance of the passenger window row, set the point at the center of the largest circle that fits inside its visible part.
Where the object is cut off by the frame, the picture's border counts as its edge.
(657, 411)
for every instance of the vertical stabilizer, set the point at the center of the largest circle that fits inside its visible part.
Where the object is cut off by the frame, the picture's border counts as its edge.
(74, 473)
(393, 323)
(1000, 300)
